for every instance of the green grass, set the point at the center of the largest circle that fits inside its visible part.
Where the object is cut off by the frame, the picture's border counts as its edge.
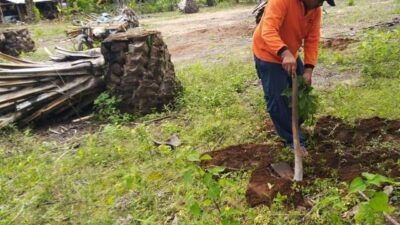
(379, 97)
(118, 174)
(49, 30)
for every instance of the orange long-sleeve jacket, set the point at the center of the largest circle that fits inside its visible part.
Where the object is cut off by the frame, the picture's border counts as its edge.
(286, 25)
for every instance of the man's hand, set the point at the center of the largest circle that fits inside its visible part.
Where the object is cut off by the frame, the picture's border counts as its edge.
(289, 62)
(308, 75)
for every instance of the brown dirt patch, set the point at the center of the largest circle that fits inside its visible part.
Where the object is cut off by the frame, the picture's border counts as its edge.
(269, 126)
(389, 24)
(207, 34)
(337, 43)
(66, 132)
(350, 150)
(340, 151)
(264, 185)
(246, 156)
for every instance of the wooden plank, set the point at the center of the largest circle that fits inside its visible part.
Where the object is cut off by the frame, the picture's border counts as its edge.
(7, 89)
(88, 99)
(91, 53)
(53, 68)
(13, 59)
(24, 82)
(20, 65)
(39, 75)
(57, 91)
(25, 92)
(7, 107)
(59, 101)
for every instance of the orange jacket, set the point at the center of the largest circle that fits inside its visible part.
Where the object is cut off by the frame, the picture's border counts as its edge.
(285, 26)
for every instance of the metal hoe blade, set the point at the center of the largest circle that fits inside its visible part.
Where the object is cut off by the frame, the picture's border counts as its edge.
(283, 170)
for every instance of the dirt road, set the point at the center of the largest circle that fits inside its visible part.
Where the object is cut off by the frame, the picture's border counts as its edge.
(194, 37)
(212, 36)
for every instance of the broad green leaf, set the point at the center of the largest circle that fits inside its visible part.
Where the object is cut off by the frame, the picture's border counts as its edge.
(188, 176)
(216, 170)
(377, 179)
(380, 202)
(357, 185)
(205, 157)
(208, 180)
(364, 213)
(214, 192)
(194, 156)
(195, 209)
(165, 149)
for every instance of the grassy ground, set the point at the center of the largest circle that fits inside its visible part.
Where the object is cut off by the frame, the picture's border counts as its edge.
(117, 175)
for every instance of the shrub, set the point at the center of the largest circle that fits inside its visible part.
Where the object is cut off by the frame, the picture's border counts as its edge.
(380, 54)
(350, 2)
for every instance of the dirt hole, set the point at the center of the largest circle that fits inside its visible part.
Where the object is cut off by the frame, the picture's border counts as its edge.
(337, 150)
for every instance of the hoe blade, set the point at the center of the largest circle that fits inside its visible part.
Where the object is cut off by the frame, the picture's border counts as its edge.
(283, 170)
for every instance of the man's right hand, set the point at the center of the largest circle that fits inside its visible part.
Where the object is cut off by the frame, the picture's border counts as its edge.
(289, 62)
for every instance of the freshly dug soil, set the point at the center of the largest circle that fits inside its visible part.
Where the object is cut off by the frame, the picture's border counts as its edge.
(337, 43)
(242, 157)
(338, 150)
(264, 185)
(350, 150)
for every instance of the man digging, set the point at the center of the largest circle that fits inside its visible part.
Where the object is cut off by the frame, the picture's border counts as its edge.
(285, 26)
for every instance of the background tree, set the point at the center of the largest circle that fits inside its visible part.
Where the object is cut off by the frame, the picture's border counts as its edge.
(210, 3)
(29, 4)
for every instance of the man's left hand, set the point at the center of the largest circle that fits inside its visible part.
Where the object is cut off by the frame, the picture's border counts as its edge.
(308, 76)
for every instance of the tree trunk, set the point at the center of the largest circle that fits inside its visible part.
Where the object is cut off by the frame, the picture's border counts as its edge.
(120, 4)
(29, 4)
(210, 3)
(298, 158)
(1, 15)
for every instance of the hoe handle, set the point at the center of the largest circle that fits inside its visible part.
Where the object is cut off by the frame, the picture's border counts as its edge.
(298, 157)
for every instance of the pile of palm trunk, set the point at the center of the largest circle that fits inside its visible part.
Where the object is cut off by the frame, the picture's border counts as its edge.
(139, 71)
(14, 42)
(59, 89)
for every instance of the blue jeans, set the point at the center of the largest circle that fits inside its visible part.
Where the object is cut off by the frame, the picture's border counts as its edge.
(274, 80)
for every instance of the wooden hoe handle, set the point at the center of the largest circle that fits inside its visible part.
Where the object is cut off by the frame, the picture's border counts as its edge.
(298, 156)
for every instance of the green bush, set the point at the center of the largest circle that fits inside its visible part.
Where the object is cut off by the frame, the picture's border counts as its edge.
(350, 2)
(107, 111)
(81, 5)
(36, 12)
(380, 54)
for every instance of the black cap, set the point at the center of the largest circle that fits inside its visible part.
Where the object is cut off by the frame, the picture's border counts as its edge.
(331, 2)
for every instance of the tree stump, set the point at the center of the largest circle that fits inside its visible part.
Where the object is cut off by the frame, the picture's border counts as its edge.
(188, 6)
(139, 71)
(13, 42)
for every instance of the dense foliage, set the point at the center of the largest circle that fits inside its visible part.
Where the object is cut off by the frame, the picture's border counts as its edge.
(140, 6)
